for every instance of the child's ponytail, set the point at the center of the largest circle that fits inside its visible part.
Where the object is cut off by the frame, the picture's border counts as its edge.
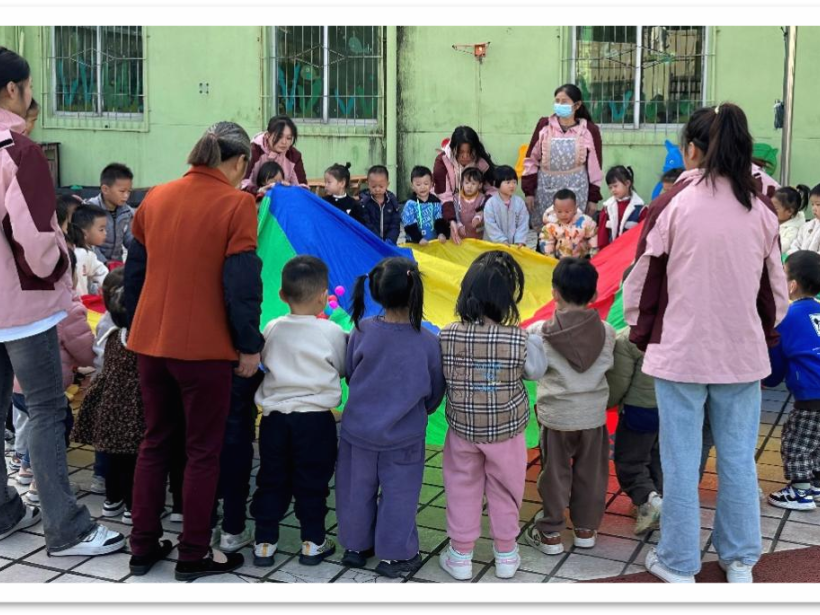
(395, 283)
(76, 236)
(341, 173)
(416, 299)
(804, 192)
(357, 300)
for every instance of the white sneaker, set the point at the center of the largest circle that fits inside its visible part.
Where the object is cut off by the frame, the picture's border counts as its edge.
(100, 541)
(97, 485)
(548, 544)
(231, 543)
(457, 565)
(113, 509)
(584, 539)
(649, 514)
(507, 564)
(736, 572)
(654, 566)
(176, 517)
(126, 518)
(30, 517)
(263, 554)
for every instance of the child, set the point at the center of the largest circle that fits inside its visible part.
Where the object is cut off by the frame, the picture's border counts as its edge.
(422, 217)
(623, 210)
(571, 409)
(337, 183)
(270, 173)
(303, 359)
(789, 204)
(385, 421)
(111, 417)
(381, 209)
(669, 178)
(808, 237)
(87, 230)
(116, 183)
(567, 231)
(32, 115)
(637, 449)
(486, 358)
(469, 204)
(797, 359)
(506, 219)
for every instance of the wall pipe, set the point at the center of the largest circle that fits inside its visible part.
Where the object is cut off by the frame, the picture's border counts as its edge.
(391, 136)
(788, 106)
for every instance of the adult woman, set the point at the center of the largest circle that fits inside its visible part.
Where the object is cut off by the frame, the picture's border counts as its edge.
(277, 144)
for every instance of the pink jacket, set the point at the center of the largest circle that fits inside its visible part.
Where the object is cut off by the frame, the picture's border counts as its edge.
(708, 287)
(445, 184)
(288, 167)
(35, 276)
(76, 340)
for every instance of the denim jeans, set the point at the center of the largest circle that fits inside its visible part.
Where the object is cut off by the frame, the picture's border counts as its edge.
(734, 415)
(20, 414)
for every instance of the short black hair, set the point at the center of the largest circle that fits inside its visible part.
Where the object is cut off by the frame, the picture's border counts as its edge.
(492, 287)
(504, 173)
(794, 200)
(82, 220)
(420, 171)
(564, 193)
(378, 169)
(268, 171)
(621, 174)
(803, 267)
(576, 279)
(113, 172)
(64, 204)
(671, 176)
(113, 296)
(302, 277)
(340, 172)
(472, 174)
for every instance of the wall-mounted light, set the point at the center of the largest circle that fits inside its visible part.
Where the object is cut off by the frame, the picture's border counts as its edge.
(479, 50)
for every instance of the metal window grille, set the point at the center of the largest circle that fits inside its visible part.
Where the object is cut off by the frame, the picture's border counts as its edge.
(640, 76)
(328, 74)
(97, 71)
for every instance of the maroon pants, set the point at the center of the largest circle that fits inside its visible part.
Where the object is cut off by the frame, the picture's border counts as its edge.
(188, 396)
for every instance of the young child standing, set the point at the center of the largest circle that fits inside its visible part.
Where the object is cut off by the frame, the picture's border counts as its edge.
(381, 450)
(622, 211)
(469, 204)
(486, 358)
(567, 231)
(808, 237)
(337, 183)
(116, 183)
(303, 357)
(382, 212)
(87, 231)
(797, 360)
(571, 409)
(789, 205)
(422, 218)
(506, 219)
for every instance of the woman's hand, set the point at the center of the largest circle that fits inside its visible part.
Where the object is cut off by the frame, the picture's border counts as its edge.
(530, 203)
(248, 364)
(454, 232)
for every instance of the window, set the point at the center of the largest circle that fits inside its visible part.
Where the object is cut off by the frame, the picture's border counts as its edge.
(640, 76)
(328, 74)
(98, 71)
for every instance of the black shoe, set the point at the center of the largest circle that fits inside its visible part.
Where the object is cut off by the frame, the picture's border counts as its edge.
(189, 571)
(397, 568)
(357, 559)
(321, 552)
(141, 564)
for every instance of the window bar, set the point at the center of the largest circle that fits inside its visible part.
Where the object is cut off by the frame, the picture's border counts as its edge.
(574, 56)
(98, 72)
(326, 74)
(636, 120)
(704, 50)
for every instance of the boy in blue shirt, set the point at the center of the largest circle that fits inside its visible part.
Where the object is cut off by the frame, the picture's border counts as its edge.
(422, 217)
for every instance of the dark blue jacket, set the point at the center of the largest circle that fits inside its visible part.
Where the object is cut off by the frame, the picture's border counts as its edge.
(797, 357)
(383, 221)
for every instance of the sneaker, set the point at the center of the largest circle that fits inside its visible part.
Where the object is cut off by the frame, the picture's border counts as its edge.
(815, 493)
(654, 566)
(97, 485)
(736, 572)
(30, 517)
(263, 554)
(14, 462)
(507, 564)
(100, 541)
(458, 565)
(9, 440)
(215, 562)
(126, 518)
(548, 544)
(313, 554)
(649, 514)
(357, 559)
(113, 509)
(176, 517)
(25, 476)
(584, 539)
(32, 495)
(399, 568)
(231, 543)
(793, 499)
(141, 564)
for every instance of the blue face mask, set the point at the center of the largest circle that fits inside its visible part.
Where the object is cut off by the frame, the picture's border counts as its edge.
(562, 110)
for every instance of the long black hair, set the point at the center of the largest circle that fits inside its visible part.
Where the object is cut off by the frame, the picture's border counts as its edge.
(575, 95)
(277, 125)
(722, 134)
(13, 68)
(465, 134)
(794, 200)
(492, 288)
(394, 283)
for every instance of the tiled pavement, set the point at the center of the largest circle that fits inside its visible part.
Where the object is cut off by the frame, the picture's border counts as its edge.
(619, 551)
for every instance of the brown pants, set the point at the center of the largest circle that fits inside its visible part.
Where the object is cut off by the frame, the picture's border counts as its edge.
(574, 473)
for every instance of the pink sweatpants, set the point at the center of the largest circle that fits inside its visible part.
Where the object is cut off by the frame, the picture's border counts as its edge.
(473, 470)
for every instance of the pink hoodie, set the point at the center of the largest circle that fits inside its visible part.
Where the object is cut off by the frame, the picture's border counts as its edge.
(35, 276)
(446, 185)
(288, 167)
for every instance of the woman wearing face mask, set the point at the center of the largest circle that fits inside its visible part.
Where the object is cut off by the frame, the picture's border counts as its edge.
(564, 153)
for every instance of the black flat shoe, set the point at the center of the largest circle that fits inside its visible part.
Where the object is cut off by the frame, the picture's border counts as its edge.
(141, 564)
(398, 568)
(190, 571)
(357, 559)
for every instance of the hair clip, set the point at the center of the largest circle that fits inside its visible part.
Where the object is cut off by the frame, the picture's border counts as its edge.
(717, 109)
